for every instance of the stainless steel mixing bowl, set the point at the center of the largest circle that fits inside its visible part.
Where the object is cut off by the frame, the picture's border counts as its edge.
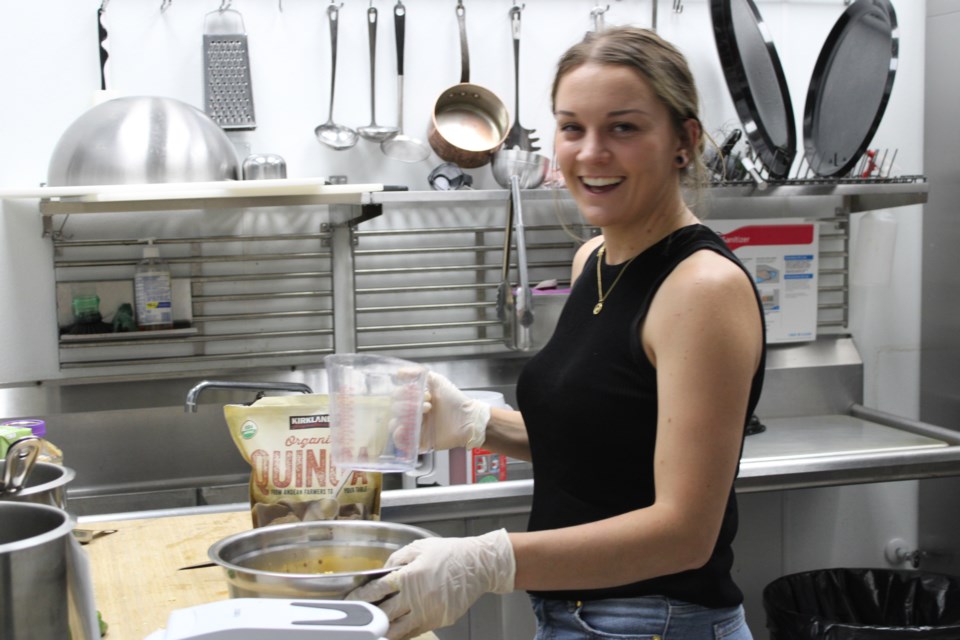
(139, 140)
(530, 167)
(320, 560)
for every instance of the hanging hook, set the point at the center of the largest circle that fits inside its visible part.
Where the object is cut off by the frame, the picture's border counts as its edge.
(225, 5)
(103, 5)
(280, 5)
(165, 4)
(597, 14)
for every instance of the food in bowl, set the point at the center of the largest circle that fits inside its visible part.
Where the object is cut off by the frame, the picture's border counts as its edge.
(320, 560)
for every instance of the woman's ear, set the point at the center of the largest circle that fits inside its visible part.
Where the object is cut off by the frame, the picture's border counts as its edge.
(690, 140)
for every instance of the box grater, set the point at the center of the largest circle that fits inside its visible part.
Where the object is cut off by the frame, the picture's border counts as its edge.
(228, 95)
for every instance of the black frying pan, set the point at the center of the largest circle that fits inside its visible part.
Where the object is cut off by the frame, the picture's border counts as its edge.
(756, 82)
(850, 87)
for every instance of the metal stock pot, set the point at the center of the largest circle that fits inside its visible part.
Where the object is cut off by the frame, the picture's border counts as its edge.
(46, 484)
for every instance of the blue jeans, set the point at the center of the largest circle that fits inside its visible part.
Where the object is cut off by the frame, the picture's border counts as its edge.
(649, 618)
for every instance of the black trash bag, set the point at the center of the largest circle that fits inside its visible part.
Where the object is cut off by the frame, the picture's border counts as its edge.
(863, 604)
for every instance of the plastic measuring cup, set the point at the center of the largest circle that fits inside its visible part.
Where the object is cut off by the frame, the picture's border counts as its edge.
(376, 407)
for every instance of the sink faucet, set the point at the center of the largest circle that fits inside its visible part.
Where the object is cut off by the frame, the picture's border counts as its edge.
(191, 404)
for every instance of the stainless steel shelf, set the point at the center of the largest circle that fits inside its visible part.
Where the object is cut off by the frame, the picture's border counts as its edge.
(861, 195)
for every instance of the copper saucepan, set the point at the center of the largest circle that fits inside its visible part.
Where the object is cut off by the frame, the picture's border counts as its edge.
(469, 122)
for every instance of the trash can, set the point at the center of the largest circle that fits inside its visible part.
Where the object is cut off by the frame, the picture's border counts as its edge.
(863, 604)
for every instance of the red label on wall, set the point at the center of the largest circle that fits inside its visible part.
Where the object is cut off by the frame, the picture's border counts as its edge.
(768, 235)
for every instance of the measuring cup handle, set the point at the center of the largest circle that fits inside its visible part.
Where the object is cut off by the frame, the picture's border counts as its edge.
(426, 464)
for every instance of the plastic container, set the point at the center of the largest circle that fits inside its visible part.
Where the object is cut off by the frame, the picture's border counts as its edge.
(153, 291)
(49, 452)
(376, 406)
(863, 604)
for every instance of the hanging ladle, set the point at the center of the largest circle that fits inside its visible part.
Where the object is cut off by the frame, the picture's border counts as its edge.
(373, 131)
(334, 135)
(401, 147)
(21, 455)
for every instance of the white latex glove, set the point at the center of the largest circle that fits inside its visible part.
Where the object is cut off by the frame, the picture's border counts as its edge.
(452, 419)
(439, 579)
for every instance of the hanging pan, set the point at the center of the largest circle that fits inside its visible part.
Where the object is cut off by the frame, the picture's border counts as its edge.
(756, 82)
(469, 122)
(850, 87)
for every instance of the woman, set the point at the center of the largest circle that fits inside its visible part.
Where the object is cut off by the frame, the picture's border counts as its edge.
(634, 414)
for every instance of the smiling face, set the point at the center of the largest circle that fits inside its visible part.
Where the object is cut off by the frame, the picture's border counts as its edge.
(617, 146)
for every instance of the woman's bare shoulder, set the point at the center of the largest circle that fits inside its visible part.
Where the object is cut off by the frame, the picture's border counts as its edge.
(580, 257)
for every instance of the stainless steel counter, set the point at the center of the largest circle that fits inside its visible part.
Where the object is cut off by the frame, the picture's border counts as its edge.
(810, 451)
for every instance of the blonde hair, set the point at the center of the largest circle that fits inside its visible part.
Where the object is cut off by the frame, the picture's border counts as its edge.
(660, 64)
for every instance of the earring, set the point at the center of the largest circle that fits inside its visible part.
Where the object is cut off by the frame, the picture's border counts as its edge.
(681, 160)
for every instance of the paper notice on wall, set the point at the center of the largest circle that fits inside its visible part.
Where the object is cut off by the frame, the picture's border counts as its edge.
(782, 256)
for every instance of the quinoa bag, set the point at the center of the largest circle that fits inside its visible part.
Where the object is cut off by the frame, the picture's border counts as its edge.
(286, 440)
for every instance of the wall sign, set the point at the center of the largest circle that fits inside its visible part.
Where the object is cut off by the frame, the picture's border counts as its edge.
(782, 256)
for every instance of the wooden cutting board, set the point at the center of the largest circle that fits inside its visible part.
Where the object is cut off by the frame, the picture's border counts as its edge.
(135, 570)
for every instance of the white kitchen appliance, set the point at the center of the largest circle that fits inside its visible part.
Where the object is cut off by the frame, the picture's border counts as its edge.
(258, 618)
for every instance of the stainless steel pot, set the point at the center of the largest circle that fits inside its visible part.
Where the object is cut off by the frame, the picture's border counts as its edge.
(290, 560)
(33, 571)
(46, 485)
(469, 122)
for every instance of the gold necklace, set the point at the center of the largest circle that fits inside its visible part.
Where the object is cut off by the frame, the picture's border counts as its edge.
(601, 296)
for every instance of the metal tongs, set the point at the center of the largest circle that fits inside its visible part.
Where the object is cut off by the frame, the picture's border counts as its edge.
(521, 305)
(21, 456)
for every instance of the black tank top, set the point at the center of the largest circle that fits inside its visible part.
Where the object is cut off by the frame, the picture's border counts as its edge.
(589, 403)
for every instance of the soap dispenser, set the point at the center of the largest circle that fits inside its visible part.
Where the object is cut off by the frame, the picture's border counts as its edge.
(153, 291)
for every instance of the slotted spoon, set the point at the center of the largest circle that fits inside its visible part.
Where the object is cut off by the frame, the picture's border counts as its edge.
(518, 137)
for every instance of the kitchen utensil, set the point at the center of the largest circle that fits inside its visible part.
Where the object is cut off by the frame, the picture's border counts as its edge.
(86, 536)
(469, 122)
(264, 166)
(547, 305)
(21, 456)
(33, 579)
(45, 485)
(402, 147)
(449, 177)
(334, 135)
(596, 17)
(756, 82)
(375, 411)
(504, 290)
(227, 90)
(142, 139)
(102, 39)
(373, 131)
(518, 137)
(290, 560)
(850, 87)
(530, 168)
(254, 619)
(722, 163)
(523, 301)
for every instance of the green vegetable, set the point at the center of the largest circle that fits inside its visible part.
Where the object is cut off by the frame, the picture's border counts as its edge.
(103, 625)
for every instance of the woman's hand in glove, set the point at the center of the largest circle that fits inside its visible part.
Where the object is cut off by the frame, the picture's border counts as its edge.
(452, 419)
(438, 580)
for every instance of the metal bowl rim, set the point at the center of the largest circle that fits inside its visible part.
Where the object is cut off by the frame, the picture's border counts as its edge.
(215, 549)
